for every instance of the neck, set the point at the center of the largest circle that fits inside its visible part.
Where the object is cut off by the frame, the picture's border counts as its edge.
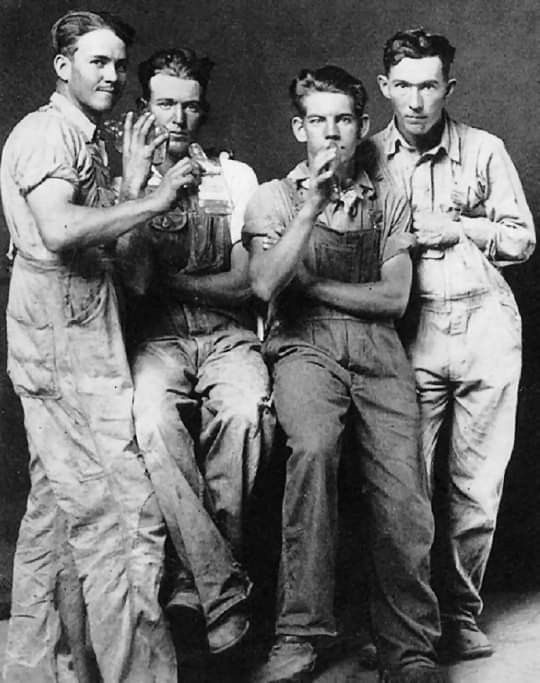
(90, 114)
(422, 143)
(169, 162)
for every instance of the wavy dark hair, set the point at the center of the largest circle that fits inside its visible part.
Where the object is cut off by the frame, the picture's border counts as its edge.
(71, 26)
(181, 62)
(328, 78)
(417, 43)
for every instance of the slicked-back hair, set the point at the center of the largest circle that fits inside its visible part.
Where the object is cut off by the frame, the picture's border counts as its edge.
(181, 62)
(69, 28)
(417, 43)
(328, 78)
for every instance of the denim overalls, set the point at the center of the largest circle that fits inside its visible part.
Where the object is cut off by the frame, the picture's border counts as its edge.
(331, 367)
(67, 362)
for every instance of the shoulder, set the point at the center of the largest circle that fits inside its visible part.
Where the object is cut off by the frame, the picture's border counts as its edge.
(40, 130)
(473, 138)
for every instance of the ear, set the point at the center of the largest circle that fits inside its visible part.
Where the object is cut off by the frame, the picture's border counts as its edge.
(62, 66)
(142, 104)
(450, 86)
(382, 80)
(363, 126)
(298, 128)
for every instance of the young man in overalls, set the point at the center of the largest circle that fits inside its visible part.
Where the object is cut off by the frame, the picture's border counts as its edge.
(201, 403)
(470, 218)
(67, 362)
(337, 278)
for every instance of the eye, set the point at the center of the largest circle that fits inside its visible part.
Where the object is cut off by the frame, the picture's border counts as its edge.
(164, 104)
(193, 107)
(346, 119)
(315, 120)
(99, 62)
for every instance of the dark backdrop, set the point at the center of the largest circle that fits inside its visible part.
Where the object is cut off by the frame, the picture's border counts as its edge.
(258, 47)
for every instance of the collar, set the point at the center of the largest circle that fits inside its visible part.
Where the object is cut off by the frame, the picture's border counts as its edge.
(450, 141)
(74, 115)
(361, 186)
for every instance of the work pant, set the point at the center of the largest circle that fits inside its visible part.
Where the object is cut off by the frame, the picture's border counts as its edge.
(218, 385)
(87, 474)
(325, 372)
(467, 355)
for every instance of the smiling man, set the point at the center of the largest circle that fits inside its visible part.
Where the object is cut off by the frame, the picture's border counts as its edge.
(67, 362)
(329, 251)
(201, 405)
(470, 218)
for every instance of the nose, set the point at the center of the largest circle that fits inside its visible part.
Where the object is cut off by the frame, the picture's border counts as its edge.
(332, 131)
(110, 74)
(178, 114)
(416, 101)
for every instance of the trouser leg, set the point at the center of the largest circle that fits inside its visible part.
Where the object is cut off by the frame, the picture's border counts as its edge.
(404, 610)
(163, 372)
(481, 442)
(237, 426)
(312, 399)
(34, 627)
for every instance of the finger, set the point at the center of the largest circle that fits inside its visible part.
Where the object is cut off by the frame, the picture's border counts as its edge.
(143, 122)
(146, 126)
(159, 140)
(128, 129)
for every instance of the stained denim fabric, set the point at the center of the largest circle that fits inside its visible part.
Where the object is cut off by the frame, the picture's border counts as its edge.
(204, 423)
(329, 368)
(67, 362)
(202, 410)
(468, 354)
(71, 372)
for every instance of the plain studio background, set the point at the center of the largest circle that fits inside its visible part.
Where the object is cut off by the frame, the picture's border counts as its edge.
(258, 46)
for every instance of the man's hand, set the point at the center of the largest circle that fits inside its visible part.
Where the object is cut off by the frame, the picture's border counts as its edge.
(322, 169)
(183, 174)
(436, 229)
(137, 153)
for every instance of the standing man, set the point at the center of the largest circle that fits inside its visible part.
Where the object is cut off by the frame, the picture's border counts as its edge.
(67, 362)
(470, 218)
(201, 404)
(337, 279)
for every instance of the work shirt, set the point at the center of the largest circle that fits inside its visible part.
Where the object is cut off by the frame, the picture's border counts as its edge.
(351, 239)
(56, 141)
(471, 174)
(196, 237)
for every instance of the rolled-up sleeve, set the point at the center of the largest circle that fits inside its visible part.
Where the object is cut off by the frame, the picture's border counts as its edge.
(508, 225)
(398, 218)
(43, 148)
(267, 213)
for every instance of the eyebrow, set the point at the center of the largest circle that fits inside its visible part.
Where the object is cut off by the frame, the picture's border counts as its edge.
(429, 81)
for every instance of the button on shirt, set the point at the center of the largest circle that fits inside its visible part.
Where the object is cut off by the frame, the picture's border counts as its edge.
(474, 166)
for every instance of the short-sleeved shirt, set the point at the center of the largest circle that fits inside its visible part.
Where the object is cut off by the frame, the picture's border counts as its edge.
(368, 224)
(57, 141)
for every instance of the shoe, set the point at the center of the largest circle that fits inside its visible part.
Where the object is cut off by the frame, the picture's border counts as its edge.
(367, 657)
(186, 619)
(415, 674)
(463, 640)
(227, 632)
(291, 659)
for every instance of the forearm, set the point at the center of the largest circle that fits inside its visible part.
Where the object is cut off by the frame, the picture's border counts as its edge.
(502, 241)
(370, 299)
(273, 269)
(227, 289)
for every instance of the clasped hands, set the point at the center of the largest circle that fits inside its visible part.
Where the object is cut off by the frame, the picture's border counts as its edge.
(437, 229)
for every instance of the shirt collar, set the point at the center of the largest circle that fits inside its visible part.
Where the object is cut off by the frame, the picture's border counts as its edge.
(74, 115)
(361, 186)
(450, 141)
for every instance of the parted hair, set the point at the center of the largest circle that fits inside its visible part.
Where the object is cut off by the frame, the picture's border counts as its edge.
(417, 43)
(328, 78)
(181, 62)
(66, 31)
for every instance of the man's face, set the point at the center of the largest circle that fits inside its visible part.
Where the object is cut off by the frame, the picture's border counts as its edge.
(95, 74)
(176, 104)
(418, 90)
(329, 119)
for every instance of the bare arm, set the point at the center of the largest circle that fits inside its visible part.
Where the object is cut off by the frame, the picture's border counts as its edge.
(271, 270)
(229, 288)
(386, 298)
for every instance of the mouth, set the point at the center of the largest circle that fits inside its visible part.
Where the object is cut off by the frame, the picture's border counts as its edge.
(177, 136)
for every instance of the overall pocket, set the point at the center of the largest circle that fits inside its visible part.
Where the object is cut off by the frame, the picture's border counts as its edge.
(31, 362)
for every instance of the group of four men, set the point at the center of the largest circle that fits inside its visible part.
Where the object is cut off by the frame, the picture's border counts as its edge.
(170, 434)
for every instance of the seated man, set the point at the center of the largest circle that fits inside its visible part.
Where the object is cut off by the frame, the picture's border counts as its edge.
(337, 278)
(201, 404)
